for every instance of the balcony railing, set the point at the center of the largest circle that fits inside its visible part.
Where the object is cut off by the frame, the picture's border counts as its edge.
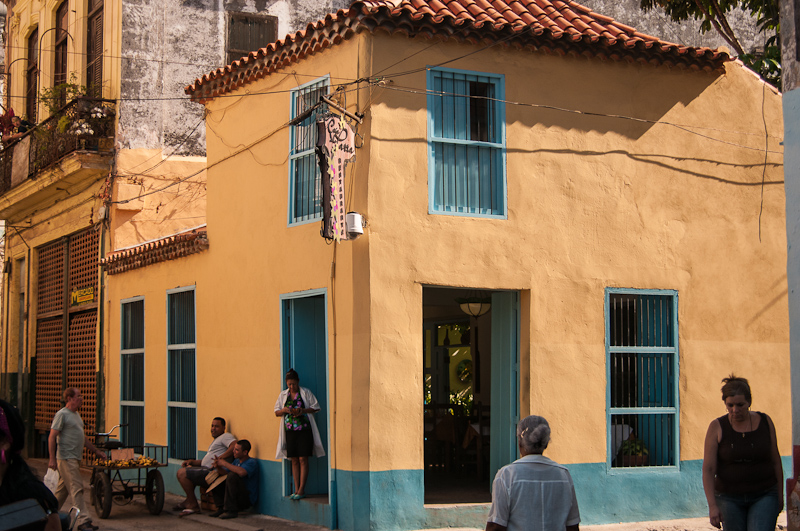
(82, 124)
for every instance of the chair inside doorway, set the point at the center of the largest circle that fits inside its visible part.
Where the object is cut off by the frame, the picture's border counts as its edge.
(456, 401)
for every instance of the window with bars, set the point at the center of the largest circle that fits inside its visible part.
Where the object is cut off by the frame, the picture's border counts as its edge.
(305, 187)
(132, 373)
(642, 354)
(466, 130)
(248, 32)
(94, 48)
(181, 375)
(32, 77)
(60, 56)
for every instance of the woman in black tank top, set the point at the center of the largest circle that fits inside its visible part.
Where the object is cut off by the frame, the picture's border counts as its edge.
(742, 470)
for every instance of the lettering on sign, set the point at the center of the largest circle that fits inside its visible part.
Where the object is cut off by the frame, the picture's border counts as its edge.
(81, 296)
(335, 147)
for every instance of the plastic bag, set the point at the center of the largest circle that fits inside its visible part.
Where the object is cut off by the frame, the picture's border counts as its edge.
(51, 480)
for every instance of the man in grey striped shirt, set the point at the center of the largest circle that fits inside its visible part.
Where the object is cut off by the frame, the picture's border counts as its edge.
(533, 493)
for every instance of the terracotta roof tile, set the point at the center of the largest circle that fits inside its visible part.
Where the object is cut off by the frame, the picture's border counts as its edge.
(558, 27)
(169, 248)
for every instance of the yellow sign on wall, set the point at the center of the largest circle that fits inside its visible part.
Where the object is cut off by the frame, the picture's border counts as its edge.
(81, 296)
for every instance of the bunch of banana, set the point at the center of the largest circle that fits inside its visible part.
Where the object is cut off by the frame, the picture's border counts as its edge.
(140, 461)
(145, 461)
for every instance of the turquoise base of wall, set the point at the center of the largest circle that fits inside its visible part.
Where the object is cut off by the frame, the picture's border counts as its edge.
(393, 500)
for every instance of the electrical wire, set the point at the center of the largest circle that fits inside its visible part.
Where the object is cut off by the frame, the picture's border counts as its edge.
(207, 66)
(163, 160)
(207, 167)
(766, 150)
(687, 128)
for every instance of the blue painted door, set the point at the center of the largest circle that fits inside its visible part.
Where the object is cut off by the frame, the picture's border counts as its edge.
(305, 350)
(505, 380)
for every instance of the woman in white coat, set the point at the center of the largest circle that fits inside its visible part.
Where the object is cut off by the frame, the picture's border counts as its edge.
(299, 436)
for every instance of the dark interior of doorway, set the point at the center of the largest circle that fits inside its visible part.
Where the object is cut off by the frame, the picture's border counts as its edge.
(457, 381)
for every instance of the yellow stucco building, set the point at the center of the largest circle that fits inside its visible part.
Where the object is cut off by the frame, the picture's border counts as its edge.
(610, 204)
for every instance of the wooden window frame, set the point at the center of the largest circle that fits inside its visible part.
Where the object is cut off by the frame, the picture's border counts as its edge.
(32, 77)
(60, 56)
(233, 53)
(94, 48)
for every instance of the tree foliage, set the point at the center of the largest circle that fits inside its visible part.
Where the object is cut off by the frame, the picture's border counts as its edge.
(714, 14)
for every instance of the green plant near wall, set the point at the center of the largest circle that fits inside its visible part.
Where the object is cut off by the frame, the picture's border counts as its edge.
(634, 447)
(462, 400)
(55, 97)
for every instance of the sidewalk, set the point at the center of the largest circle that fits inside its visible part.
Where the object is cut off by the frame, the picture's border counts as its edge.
(684, 524)
(135, 516)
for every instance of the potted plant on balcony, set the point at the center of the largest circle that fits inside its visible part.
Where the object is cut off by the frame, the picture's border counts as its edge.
(76, 117)
(634, 453)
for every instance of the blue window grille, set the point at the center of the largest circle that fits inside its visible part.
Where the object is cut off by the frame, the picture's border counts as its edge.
(181, 375)
(466, 128)
(132, 373)
(305, 189)
(642, 354)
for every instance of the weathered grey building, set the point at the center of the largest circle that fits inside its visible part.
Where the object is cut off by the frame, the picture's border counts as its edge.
(166, 44)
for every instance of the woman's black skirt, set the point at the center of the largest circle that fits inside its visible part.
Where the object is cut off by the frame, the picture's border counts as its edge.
(299, 443)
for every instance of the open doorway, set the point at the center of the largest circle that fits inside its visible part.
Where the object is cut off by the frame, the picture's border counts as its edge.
(305, 350)
(470, 398)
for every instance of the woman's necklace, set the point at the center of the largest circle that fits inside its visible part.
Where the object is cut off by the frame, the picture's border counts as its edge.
(751, 424)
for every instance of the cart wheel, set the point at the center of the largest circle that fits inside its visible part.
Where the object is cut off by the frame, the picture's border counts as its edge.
(154, 492)
(102, 495)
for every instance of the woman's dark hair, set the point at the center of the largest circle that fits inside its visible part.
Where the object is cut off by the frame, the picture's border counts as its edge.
(291, 374)
(733, 385)
(533, 434)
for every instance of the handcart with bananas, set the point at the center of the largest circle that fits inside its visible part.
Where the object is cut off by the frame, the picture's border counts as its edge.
(126, 472)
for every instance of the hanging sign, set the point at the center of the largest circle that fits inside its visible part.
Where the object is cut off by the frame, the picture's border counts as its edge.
(335, 147)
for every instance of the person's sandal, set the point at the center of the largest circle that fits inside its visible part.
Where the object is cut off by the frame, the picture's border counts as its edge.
(216, 513)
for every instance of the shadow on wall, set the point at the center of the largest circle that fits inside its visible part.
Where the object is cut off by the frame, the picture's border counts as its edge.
(573, 94)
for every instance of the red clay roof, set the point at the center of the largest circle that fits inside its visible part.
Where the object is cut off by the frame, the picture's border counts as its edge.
(551, 26)
(169, 248)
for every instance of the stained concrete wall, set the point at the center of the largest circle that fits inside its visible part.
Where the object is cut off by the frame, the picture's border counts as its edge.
(168, 43)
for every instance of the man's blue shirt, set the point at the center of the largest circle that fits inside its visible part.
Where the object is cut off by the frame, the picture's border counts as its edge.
(251, 481)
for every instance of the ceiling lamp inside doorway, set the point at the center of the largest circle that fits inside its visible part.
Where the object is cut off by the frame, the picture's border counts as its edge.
(476, 304)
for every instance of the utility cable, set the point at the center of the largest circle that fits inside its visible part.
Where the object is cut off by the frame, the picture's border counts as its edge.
(687, 128)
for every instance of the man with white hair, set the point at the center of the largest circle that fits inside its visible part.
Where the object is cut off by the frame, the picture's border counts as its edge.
(533, 493)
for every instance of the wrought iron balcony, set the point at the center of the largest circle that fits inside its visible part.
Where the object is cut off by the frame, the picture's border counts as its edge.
(82, 124)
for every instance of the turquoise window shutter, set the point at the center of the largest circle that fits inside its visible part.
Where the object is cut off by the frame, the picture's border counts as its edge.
(642, 355)
(305, 180)
(466, 144)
